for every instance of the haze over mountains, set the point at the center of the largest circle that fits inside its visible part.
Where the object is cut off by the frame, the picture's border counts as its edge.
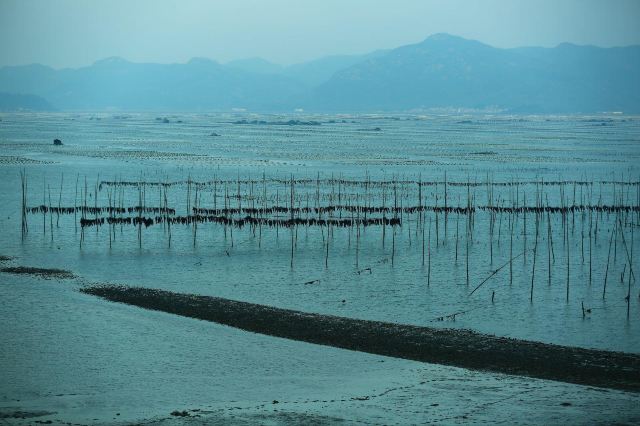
(442, 72)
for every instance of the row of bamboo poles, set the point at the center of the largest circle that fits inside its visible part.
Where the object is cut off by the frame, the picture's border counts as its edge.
(363, 183)
(236, 204)
(333, 209)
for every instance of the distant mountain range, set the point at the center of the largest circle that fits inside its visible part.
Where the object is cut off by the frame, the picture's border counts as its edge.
(310, 73)
(442, 72)
(20, 102)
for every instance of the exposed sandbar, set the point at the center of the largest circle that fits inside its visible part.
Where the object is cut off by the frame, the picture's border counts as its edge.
(460, 348)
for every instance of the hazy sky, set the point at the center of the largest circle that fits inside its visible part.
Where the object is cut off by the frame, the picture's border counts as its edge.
(72, 33)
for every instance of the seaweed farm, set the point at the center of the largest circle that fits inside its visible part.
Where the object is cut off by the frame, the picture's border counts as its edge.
(521, 228)
(566, 236)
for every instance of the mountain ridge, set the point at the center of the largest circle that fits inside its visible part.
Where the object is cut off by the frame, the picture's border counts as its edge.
(441, 71)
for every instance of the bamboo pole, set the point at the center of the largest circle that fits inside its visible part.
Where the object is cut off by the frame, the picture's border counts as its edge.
(524, 248)
(59, 201)
(384, 216)
(446, 211)
(50, 215)
(166, 205)
(590, 247)
(468, 228)
(457, 232)
(195, 222)
(44, 203)
(629, 278)
(549, 245)
(423, 246)
(568, 263)
(606, 271)
(429, 266)
(23, 210)
(535, 251)
(291, 205)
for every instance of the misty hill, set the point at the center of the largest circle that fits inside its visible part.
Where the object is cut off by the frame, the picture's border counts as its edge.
(318, 71)
(448, 71)
(199, 85)
(443, 71)
(310, 73)
(19, 102)
(114, 83)
(256, 65)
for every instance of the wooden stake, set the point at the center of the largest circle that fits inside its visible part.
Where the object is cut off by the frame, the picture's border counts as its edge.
(429, 267)
(606, 271)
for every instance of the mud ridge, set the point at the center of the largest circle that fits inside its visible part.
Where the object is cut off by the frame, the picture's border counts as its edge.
(460, 348)
(40, 272)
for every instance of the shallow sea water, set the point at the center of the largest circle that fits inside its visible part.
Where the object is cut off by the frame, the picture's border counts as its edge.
(117, 359)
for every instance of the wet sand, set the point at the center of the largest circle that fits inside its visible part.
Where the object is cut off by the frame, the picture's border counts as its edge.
(460, 348)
